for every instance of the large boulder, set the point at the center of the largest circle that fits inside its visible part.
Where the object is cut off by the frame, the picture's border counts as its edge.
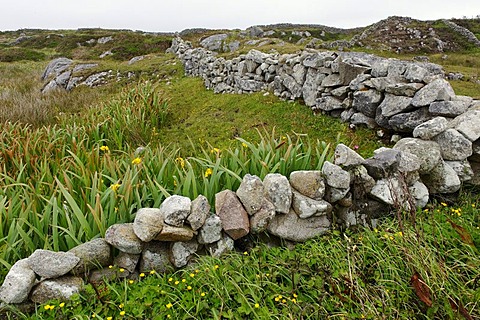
(308, 183)
(406, 122)
(442, 179)
(50, 264)
(155, 256)
(211, 231)
(437, 90)
(122, 237)
(199, 213)
(346, 157)
(367, 101)
(430, 128)
(18, 283)
(468, 124)
(393, 105)
(428, 152)
(148, 223)
(214, 42)
(453, 145)
(182, 252)
(175, 209)
(278, 191)
(251, 193)
(234, 217)
(56, 67)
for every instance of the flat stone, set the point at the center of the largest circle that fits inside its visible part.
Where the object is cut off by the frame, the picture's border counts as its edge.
(148, 223)
(346, 157)
(332, 80)
(122, 237)
(406, 122)
(251, 193)
(211, 230)
(278, 191)
(18, 283)
(361, 119)
(291, 227)
(175, 209)
(349, 71)
(171, 234)
(56, 289)
(199, 213)
(403, 89)
(329, 103)
(468, 124)
(234, 217)
(308, 183)
(93, 254)
(448, 108)
(49, 264)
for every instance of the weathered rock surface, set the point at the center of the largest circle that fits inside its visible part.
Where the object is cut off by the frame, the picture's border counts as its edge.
(199, 212)
(60, 289)
(18, 283)
(260, 220)
(93, 254)
(345, 157)
(155, 256)
(307, 207)
(308, 183)
(335, 176)
(148, 223)
(211, 230)
(127, 261)
(427, 151)
(442, 179)
(182, 252)
(431, 128)
(437, 90)
(278, 191)
(122, 237)
(49, 264)
(251, 193)
(453, 145)
(234, 217)
(291, 227)
(175, 209)
(225, 244)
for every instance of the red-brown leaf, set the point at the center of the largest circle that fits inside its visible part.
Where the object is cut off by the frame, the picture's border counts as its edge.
(466, 237)
(458, 307)
(421, 289)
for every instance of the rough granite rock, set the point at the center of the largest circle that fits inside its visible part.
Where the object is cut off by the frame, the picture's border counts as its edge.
(251, 193)
(18, 283)
(260, 220)
(155, 256)
(211, 230)
(389, 191)
(428, 152)
(278, 191)
(93, 254)
(175, 209)
(415, 73)
(437, 90)
(56, 67)
(182, 252)
(383, 164)
(448, 108)
(148, 223)
(462, 168)
(367, 102)
(127, 261)
(346, 157)
(361, 119)
(335, 176)
(393, 105)
(291, 227)
(307, 207)
(453, 145)
(49, 264)
(59, 289)
(224, 245)
(234, 217)
(199, 213)
(442, 179)
(468, 124)
(407, 122)
(403, 89)
(419, 192)
(122, 237)
(428, 130)
(214, 42)
(309, 183)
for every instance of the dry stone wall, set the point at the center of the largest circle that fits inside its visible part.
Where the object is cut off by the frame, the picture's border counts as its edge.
(441, 151)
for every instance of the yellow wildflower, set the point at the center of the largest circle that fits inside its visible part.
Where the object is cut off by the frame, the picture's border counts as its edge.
(192, 275)
(137, 161)
(400, 234)
(115, 186)
(104, 148)
(208, 172)
(109, 318)
(121, 270)
(110, 267)
(142, 275)
(169, 305)
(216, 267)
(170, 279)
(177, 282)
(244, 145)
(180, 161)
(184, 280)
(152, 272)
(443, 204)
(61, 305)
(245, 253)
(189, 288)
(131, 281)
(294, 300)
(122, 313)
(121, 305)
(257, 305)
(202, 294)
(215, 150)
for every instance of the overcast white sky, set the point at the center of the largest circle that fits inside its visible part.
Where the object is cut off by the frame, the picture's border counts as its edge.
(176, 15)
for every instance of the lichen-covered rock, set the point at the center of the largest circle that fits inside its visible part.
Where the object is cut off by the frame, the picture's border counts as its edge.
(307, 207)
(260, 220)
(291, 227)
(175, 209)
(453, 145)
(251, 193)
(383, 164)
(200, 211)
(448, 108)
(308, 183)
(18, 283)
(420, 194)
(278, 191)
(437, 90)
(335, 176)
(406, 122)
(393, 105)
(346, 157)
(403, 89)
(442, 179)
(127, 261)
(389, 191)
(148, 223)
(224, 245)
(59, 289)
(211, 230)
(49, 264)
(427, 151)
(182, 252)
(93, 254)
(122, 237)
(462, 168)
(155, 256)
(234, 217)
(367, 101)
(468, 124)
(428, 130)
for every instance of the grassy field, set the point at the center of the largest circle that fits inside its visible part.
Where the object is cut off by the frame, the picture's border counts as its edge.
(72, 164)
